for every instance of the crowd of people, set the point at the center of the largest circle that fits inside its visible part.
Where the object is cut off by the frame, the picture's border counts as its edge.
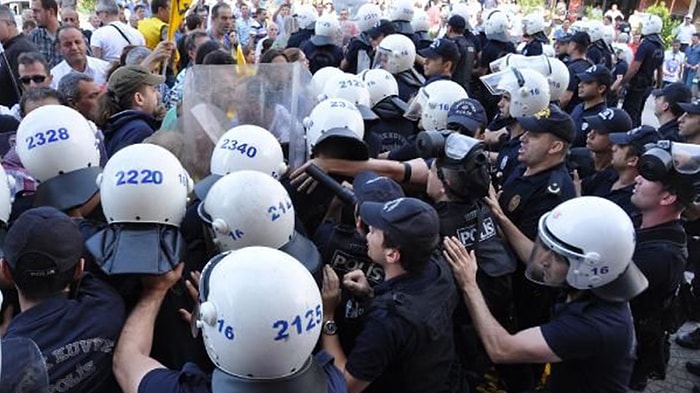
(390, 196)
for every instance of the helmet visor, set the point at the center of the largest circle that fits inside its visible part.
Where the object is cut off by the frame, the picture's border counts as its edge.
(545, 266)
(686, 158)
(499, 82)
(381, 59)
(416, 105)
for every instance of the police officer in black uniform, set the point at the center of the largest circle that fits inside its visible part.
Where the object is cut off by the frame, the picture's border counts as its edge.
(440, 60)
(661, 194)
(457, 187)
(577, 64)
(639, 78)
(593, 87)
(667, 109)
(540, 183)
(456, 31)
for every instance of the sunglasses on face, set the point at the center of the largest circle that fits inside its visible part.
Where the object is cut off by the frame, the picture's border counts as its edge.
(36, 78)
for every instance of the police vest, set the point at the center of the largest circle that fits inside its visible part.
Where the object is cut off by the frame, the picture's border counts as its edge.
(463, 69)
(311, 378)
(152, 30)
(429, 311)
(476, 229)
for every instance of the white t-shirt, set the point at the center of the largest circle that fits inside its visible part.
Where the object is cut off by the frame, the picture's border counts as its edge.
(111, 43)
(672, 66)
(685, 33)
(96, 68)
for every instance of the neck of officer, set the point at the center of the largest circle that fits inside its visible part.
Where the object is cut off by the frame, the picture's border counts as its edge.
(549, 162)
(625, 177)
(590, 103)
(659, 215)
(665, 117)
(25, 304)
(694, 139)
(515, 130)
(602, 160)
(393, 270)
(577, 55)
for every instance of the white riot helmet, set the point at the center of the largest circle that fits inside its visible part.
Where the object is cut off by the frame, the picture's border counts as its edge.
(595, 239)
(260, 313)
(551, 68)
(368, 16)
(496, 26)
(336, 118)
(528, 89)
(579, 25)
(144, 183)
(396, 53)
(401, 10)
(434, 102)
(319, 79)
(651, 24)
(248, 208)
(420, 21)
(596, 30)
(326, 31)
(462, 9)
(381, 84)
(59, 148)
(352, 88)
(245, 147)
(533, 23)
(6, 198)
(306, 16)
(608, 34)
(54, 140)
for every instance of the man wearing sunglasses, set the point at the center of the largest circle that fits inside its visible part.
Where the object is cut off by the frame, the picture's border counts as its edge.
(14, 43)
(32, 73)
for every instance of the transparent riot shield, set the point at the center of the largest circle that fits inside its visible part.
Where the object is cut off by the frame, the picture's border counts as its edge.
(22, 367)
(273, 96)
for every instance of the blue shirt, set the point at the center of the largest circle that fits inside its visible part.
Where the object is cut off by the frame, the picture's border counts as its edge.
(191, 379)
(76, 336)
(595, 340)
(692, 54)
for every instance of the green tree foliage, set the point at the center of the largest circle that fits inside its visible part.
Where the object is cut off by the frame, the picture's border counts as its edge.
(87, 6)
(667, 33)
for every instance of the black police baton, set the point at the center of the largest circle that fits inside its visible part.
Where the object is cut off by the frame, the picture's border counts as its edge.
(346, 196)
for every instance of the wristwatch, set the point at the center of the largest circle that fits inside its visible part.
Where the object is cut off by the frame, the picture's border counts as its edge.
(330, 328)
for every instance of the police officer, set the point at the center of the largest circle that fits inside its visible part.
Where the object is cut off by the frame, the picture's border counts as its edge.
(497, 45)
(401, 14)
(397, 54)
(533, 34)
(342, 245)
(667, 109)
(359, 52)
(407, 341)
(600, 126)
(421, 29)
(322, 50)
(648, 59)
(457, 185)
(456, 29)
(599, 52)
(305, 17)
(392, 128)
(593, 87)
(627, 150)
(577, 64)
(661, 194)
(539, 184)
(252, 340)
(440, 60)
(590, 338)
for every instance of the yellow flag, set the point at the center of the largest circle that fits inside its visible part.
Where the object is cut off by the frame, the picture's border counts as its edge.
(178, 9)
(240, 58)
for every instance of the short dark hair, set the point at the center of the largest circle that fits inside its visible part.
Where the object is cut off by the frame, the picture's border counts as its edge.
(39, 94)
(69, 86)
(139, 6)
(193, 21)
(414, 256)
(271, 54)
(156, 4)
(293, 54)
(259, 11)
(215, 9)
(49, 5)
(218, 57)
(191, 39)
(204, 50)
(29, 58)
(28, 24)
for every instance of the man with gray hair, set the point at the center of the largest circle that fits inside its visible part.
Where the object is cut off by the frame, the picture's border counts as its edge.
(14, 43)
(108, 41)
(81, 92)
